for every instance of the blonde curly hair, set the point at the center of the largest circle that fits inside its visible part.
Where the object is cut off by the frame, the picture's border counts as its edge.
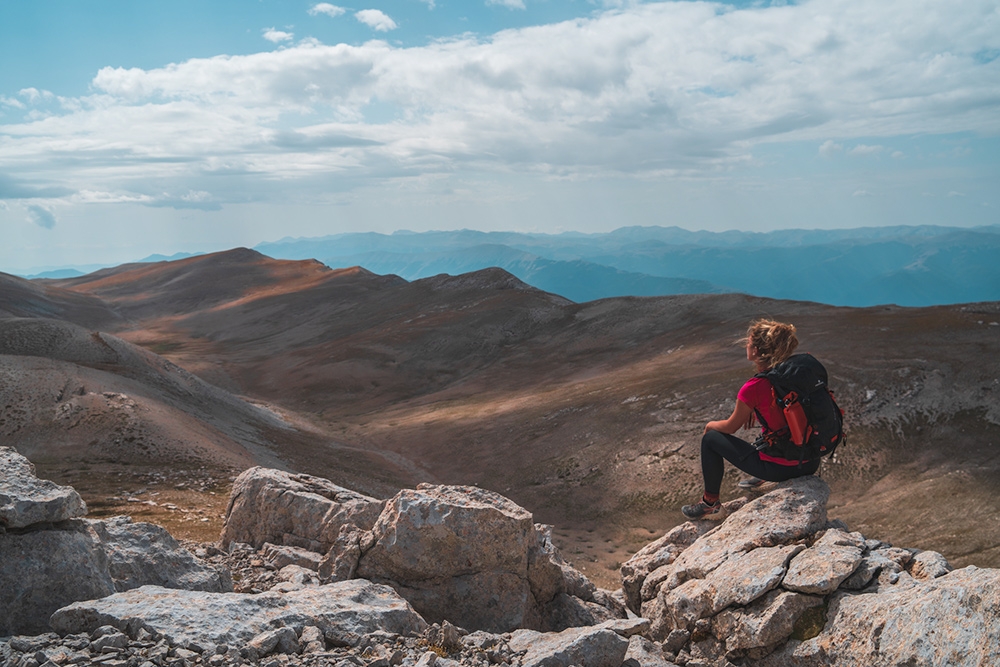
(774, 341)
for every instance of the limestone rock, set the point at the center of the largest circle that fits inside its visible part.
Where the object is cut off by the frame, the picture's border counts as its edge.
(929, 565)
(341, 562)
(281, 555)
(280, 640)
(26, 500)
(950, 620)
(793, 510)
(646, 653)
(474, 557)
(43, 570)
(765, 623)
(597, 646)
(141, 554)
(296, 574)
(546, 574)
(282, 508)
(743, 578)
(871, 565)
(655, 556)
(442, 531)
(359, 607)
(821, 568)
(568, 611)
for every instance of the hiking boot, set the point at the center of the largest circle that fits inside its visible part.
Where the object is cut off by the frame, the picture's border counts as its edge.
(702, 510)
(751, 483)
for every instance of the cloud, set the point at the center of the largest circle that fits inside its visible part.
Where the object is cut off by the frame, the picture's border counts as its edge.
(646, 90)
(862, 149)
(376, 19)
(326, 8)
(954, 193)
(33, 95)
(828, 148)
(11, 102)
(277, 36)
(509, 4)
(199, 200)
(12, 188)
(861, 193)
(41, 216)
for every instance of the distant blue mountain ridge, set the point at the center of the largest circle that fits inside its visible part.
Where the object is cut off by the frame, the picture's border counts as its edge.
(902, 265)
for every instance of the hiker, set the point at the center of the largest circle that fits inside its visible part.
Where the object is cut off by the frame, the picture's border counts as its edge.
(768, 344)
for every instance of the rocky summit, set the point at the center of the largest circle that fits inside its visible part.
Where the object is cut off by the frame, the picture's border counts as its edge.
(308, 573)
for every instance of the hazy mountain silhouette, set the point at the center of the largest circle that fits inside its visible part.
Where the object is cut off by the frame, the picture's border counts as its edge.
(912, 266)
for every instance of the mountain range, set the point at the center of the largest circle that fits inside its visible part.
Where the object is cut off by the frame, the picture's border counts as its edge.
(902, 265)
(170, 377)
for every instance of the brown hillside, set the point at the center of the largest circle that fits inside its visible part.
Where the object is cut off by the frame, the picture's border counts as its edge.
(588, 414)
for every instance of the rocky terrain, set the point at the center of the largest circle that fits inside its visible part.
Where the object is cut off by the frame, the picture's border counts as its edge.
(150, 387)
(452, 575)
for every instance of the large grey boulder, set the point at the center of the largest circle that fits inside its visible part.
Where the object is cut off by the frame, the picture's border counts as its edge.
(475, 558)
(142, 554)
(602, 645)
(344, 608)
(282, 508)
(43, 570)
(949, 620)
(456, 553)
(26, 500)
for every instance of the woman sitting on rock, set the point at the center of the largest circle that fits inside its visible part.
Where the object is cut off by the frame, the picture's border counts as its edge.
(768, 344)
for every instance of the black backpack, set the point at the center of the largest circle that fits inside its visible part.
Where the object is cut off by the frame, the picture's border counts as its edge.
(815, 421)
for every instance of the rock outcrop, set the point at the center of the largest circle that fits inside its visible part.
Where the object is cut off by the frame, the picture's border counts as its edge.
(456, 553)
(45, 569)
(277, 507)
(344, 608)
(26, 500)
(144, 554)
(778, 584)
(50, 558)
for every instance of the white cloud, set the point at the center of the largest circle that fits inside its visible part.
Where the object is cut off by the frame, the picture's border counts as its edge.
(326, 8)
(861, 193)
(509, 4)
(647, 90)
(862, 149)
(33, 95)
(954, 193)
(41, 216)
(277, 36)
(897, 155)
(829, 148)
(376, 19)
(11, 102)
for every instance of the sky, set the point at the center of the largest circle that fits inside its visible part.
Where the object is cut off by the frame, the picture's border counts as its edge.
(131, 128)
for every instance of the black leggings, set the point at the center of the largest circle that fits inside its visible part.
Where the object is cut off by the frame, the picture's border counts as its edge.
(716, 446)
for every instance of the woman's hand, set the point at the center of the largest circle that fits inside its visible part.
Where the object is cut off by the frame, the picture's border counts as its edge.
(742, 417)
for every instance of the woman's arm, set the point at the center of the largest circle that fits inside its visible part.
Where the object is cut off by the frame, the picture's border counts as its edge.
(742, 416)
